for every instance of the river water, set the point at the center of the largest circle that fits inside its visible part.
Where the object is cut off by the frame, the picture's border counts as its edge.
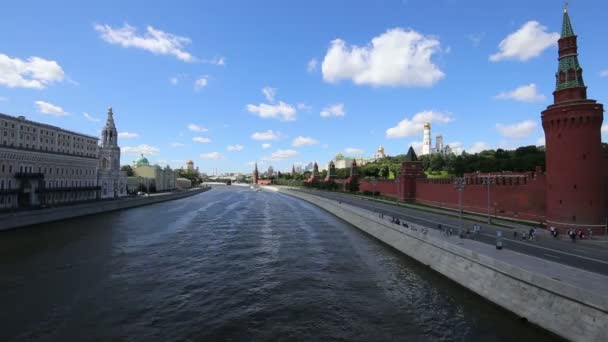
(230, 264)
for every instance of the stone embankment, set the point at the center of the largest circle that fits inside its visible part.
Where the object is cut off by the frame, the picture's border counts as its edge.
(38, 216)
(566, 301)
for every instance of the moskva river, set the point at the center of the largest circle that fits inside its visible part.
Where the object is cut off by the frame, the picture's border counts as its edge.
(230, 264)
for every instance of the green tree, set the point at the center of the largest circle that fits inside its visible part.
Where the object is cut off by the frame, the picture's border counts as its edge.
(128, 170)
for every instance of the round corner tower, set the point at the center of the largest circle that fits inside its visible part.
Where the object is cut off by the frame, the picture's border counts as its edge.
(574, 157)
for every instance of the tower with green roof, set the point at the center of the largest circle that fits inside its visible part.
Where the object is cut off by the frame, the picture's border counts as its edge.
(576, 168)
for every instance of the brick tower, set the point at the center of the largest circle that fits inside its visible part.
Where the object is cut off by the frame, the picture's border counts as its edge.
(574, 157)
(256, 174)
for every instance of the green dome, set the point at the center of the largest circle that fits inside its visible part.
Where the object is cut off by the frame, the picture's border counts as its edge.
(142, 161)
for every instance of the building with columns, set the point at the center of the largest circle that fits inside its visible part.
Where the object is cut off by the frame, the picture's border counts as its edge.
(151, 178)
(44, 165)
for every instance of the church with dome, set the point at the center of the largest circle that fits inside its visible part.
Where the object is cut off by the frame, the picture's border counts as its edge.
(151, 178)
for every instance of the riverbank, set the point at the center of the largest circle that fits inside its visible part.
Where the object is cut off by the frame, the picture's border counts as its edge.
(38, 216)
(566, 301)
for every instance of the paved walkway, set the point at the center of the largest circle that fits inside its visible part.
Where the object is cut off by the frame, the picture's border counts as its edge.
(595, 284)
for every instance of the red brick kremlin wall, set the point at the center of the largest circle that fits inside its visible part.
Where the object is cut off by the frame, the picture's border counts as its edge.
(513, 197)
(385, 187)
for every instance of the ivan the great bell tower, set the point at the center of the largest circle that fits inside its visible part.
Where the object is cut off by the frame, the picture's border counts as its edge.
(576, 167)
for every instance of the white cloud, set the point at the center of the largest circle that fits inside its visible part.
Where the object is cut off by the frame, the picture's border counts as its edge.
(525, 93)
(201, 82)
(90, 117)
(3, 99)
(304, 141)
(528, 42)
(478, 147)
(304, 107)
(155, 41)
(201, 139)
(456, 146)
(49, 108)
(604, 73)
(415, 125)
(281, 110)
(174, 80)
(269, 93)
(35, 72)
(605, 128)
(220, 61)
(127, 135)
(336, 110)
(197, 128)
(476, 38)
(212, 155)
(281, 155)
(312, 65)
(177, 144)
(266, 146)
(141, 149)
(353, 151)
(540, 141)
(517, 130)
(235, 148)
(397, 57)
(265, 136)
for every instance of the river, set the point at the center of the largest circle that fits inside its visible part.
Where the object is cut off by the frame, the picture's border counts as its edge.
(230, 264)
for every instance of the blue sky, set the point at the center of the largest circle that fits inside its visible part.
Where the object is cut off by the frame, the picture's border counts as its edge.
(197, 80)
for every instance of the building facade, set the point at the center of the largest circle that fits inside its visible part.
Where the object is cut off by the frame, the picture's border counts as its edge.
(151, 178)
(43, 165)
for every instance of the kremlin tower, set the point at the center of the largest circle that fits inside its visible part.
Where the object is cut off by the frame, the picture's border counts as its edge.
(575, 162)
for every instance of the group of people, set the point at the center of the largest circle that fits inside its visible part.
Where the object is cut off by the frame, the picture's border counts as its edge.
(572, 233)
(530, 235)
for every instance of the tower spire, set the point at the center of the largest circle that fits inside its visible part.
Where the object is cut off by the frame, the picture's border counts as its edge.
(569, 84)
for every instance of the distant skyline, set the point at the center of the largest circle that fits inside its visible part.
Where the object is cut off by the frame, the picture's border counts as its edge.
(233, 82)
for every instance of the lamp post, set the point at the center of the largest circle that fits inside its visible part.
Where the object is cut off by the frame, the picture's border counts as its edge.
(487, 181)
(459, 184)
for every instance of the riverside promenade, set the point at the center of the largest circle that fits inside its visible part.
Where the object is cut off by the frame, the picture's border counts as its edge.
(567, 301)
(24, 218)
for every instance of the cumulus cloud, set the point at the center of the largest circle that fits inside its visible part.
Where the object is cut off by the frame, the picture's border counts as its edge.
(127, 135)
(415, 125)
(220, 61)
(353, 151)
(478, 147)
(527, 42)
(174, 80)
(201, 140)
(140, 149)
(281, 110)
(416, 145)
(397, 57)
(35, 72)
(335, 110)
(212, 155)
(264, 136)
(304, 107)
(312, 65)
(89, 117)
(266, 146)
(525, 93)
(177, 144)
(153, 40)
(269, 93)
(49, 108)
(196, 128)
(303, 141)
(604, 73)
(235, 148)
(281, 155)
(201, 82)
(517, 130)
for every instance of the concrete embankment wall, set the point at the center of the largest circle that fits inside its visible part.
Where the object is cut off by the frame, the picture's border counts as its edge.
(27, 218)
(566, 310)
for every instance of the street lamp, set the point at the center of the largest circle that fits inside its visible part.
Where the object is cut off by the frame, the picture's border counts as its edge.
(488, 180)
(459, 184)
